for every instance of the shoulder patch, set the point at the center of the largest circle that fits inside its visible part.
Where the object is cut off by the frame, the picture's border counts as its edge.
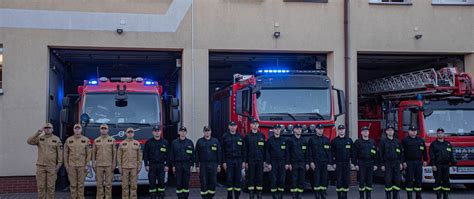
(136, 144)
(97, 140)
(54, 141)
(109, 140)
(71, 141)
(41, 139)
(83, 141)
(124, 144)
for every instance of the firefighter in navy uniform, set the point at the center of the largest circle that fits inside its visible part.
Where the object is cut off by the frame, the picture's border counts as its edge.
(441, 157)
(234, 151)
(365, 159)
(254, 143)
(155, 156)
(414, 151)
(208, 162)
(341, 148)
(320, 157)
(298, 150)
(277, 159)
(391, 158)
(182, 159)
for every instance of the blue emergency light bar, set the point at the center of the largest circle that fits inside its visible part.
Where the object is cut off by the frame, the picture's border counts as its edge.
(93, 82)
(149, 83)
(273, 71)
(284, 71)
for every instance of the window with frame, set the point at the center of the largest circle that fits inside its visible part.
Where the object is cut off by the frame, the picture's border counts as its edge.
(390, 1)
(454, 2)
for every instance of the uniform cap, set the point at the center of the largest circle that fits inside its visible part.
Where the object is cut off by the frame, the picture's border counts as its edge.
(440, 130)
(319, 126)
(298, 126)
(341, 126)
(277, 126)
(206, 128)
(254, 121)
(364, 128)
(130, 130)
(412, 128)
(156, 128)
(183, 129)
(232, 123)
(390, 126)
(77, 126)
(104, 126)
(48, 125)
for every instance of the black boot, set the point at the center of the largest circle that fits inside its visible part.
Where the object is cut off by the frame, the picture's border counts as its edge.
(162, 195)
(361, 194)
(251, 195)
(317, 195)
(388, 195)
(445, 195)
(280, 195)
(274, 195)
(323, 194)
(229, 194)
(339, 195)
(344, 195)
(368, 194)
(298, 195)
(259, 195)
(152, 195)
(439, 195)
(236, 194)
(409, 195)
(395, 195)
(186, 196)
(294, 195)
(418, 195)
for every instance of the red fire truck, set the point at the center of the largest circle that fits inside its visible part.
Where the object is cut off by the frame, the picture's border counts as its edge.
(278, 96)
(121, 103)
(428, 99)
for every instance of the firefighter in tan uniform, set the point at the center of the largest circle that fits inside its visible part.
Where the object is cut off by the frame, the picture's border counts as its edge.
(50, 158)
(104, 162)
(129, 157)
(77, 154)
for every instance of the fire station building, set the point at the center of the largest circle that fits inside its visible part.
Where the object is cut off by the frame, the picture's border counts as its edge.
(193, 48)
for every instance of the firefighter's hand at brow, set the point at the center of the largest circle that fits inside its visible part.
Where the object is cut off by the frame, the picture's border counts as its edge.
(375, 168)
(425, 163)
(355, 167)
(434, 168)
(174, 169)
(383, 168)
(147, 168)
(401, 167)
(167, 169)
(404, 165)
(218, 168)
(245, 165)
(287, 167)
(307, 167)
(224, 166)
(313, 166)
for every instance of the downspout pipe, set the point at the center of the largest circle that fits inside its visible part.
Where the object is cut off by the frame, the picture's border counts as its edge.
(346, 62)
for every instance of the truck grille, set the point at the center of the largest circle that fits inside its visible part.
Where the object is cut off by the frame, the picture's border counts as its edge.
(463, 153)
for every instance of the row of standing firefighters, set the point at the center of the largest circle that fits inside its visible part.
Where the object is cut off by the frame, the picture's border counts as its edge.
(233, 153)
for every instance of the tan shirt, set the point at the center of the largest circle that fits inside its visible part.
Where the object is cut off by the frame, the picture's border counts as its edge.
(129, 154)
(50, 149)
(104, 152)
(77, 151)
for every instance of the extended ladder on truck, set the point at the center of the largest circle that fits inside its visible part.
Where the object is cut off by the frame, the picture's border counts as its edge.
(447, 82)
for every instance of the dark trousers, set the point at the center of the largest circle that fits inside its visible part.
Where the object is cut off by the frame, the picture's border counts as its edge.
(297, 177)
(441, 176)
(414, 176)
(234, 174)
(183, 173)
(365, 175)
(208, 178)
(278, 174)
(320, 176)
(343, 172)
(255, 176)
(392, 176)
(156, 177)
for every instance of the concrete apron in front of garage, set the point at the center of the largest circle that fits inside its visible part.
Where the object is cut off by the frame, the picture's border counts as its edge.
(458, 192)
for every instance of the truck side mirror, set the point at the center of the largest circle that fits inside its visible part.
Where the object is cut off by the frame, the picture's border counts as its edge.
(427, 112)
(66, 101)
(239, 103)
(406, 120)
(64, 116)
(341, 102)
(175, 114)
(85, 118)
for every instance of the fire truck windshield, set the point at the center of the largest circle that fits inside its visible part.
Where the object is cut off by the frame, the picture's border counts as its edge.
(294, 103)
(141, 108)
(454, 118)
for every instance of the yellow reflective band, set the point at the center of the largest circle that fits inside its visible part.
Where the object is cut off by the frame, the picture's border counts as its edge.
(397, 150)
(281, 189)
(448, 149)
(446, 189)
(368, 188)
(251, 188)
(203, 192)
(161, 189)
(409, 189)
(273, 190)
(303, 147)
(185, 190)
(214, 148)
(236, 189)
(326, 146)
(211, 191)
(230, 189)
(422, 148)
(179, 191)
(348, 146)
(259, 188)
(362, 189)
(163, 149)
(316, 188)
(417, 189)
(345, 189)
(388, 188)
(189, 151)
(373, 151)
(152, 190)
(436, 188)
(293, 190)
(396, 188)
(283, 147)
(239, 143)
(261, 143)
(323, 188)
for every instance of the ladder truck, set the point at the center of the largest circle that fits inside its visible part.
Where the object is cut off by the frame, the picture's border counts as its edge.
(428, 99)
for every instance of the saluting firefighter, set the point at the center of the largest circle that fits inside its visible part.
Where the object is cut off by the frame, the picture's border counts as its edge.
(50, 159)
(182, 159)
(391, 157)
(365, 160)
(234, 151)
(104, 161)
(320, 157)
(415, 158)
(129, 159)
(341, 148)
(441, 158)
(77, 155)
(155, 156)
(208, 162)
(277, 157)
(298, 150)
(255, 143)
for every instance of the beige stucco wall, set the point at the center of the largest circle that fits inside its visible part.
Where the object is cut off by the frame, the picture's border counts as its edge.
(219, 25)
